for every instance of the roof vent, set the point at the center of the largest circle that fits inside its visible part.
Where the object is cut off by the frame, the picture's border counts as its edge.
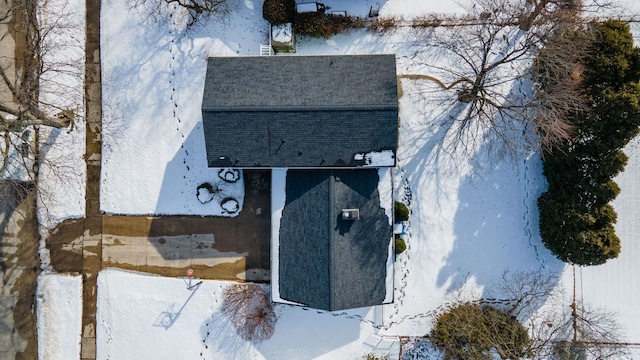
(350, 214)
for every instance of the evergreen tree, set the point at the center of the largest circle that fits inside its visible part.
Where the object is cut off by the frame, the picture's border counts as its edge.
(576, 220)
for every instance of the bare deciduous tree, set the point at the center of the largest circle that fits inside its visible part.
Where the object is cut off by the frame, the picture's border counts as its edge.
(35, 91)
(250, 311)
(24, 108)
(557, 72)
(532, 297)
(485, 61)
(195, 8)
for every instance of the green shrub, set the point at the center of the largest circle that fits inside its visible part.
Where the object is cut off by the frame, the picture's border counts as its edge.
(279, 11)
(311, 24)
(579, 237)
(401, 246)
(576, 220)
(317, 24)
(374, 357)
(471, 331)
(400, 211)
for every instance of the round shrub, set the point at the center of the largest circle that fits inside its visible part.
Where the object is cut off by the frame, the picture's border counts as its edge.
(279, 11)
(401, 212)
(206, 192)
(472, 331)
(229, 175)
(230, 205)
(401, 246)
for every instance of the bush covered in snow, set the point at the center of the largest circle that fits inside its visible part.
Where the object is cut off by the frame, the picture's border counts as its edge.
(230, 205)
(206, 192)
(229, 174)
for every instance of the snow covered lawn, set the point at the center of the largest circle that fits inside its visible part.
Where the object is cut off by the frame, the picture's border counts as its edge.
(151, 317)
(59, 320)
(154, 159)
(62, 173)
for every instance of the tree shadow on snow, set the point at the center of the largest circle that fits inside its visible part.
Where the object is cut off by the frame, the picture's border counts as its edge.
(495, 225)
(220, 340)
(496, 222)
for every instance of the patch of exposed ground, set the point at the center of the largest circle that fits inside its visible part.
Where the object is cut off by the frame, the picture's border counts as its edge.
(215, 247)
(20, 267)
(65, 246)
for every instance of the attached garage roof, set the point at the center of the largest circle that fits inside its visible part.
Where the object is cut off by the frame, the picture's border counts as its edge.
(326, 262)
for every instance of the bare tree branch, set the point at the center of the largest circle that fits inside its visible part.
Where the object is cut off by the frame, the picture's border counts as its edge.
(250, 311)
(486, 61)
(197, 9)
(40, 88)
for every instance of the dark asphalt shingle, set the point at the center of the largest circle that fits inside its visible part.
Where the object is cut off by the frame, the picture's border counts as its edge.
(277, 82)
(299, 111)
(326, 262)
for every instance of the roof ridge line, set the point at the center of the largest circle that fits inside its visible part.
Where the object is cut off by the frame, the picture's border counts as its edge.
(259, 108)
(332, 238)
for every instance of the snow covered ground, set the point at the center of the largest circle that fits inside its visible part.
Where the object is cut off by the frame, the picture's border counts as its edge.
(62, 174)
(153, 70)
(472, 219)
(59, 320)
(162, 319)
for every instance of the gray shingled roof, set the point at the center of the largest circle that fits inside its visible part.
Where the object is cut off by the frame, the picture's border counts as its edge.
(299, 111)
(326, 262)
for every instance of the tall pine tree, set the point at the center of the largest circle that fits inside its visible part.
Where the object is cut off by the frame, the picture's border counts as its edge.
(576, 219)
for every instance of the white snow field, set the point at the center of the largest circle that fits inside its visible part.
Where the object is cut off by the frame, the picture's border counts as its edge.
(162, 319)
(471, 218)
(59, 320)
(62, 174)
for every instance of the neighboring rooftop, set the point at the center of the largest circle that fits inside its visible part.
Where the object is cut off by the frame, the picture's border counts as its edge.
(300, 111)
(326, 262)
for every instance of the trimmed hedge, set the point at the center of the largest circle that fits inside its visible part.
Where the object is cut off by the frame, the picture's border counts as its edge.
(401, 246)
(400, 211)
(320, 25)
